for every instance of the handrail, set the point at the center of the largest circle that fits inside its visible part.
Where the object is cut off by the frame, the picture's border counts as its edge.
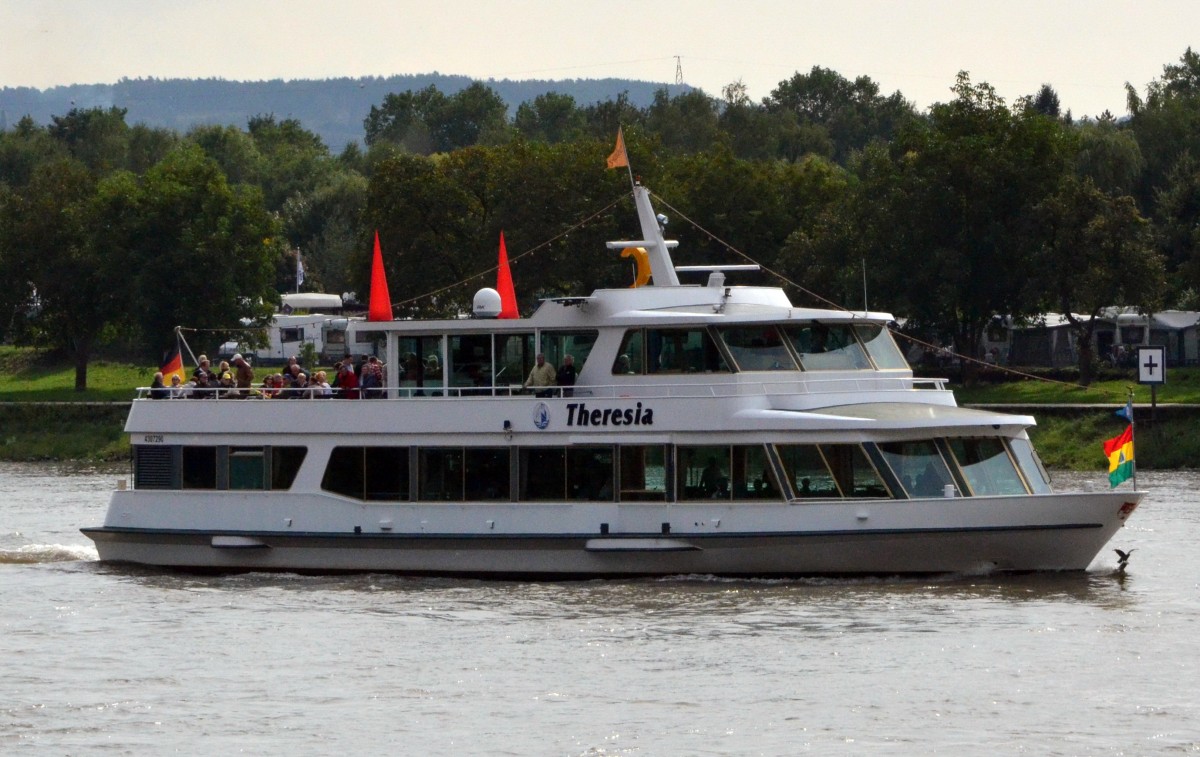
(805, 386)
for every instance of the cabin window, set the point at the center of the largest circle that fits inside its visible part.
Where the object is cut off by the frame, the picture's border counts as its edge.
(986, 466)
(368, 473)
(828, 347)
(918, 466)
(513, 357)
(543, 473)
(199, 467)
(578, 344)
(807, 471)
(420, 373)
(1030, 465)
(285, 464)
(486, 473)
(440, 473)
(471, 364)
(852, 470)
(247, 468)
(881, 346)
(752, 477)
(590, 473)
(643, 473)
(758, 348)
(703, 472)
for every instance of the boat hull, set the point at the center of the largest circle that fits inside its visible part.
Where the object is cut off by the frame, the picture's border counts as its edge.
(973, 536)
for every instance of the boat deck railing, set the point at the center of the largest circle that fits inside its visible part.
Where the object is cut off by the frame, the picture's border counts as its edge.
(656, 390)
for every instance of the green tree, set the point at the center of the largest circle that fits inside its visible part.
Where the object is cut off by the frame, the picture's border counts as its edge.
(823, 104)
(48, 232)
(552, 117)
(1097, 252)
(684, 123)
(1177, 220)
(1166, 123)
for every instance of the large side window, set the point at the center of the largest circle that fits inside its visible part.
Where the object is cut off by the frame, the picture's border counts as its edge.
(752, 477)
(440, 473)
(703, 472)
(513, 357)
(421, 372)
(855, 475)
(486, 473)
(631, 358)
(385, 474)
(1031, 466)
(590, 473)
(643, 473)
(543, 473)
(986, 466)
(810, 477)
(471, 364)
(285, 464)
(918, 466)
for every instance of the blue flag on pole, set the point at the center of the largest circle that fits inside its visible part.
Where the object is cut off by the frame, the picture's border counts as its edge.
(1127, 411)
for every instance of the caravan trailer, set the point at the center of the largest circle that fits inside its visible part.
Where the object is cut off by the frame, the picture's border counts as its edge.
(303, 318)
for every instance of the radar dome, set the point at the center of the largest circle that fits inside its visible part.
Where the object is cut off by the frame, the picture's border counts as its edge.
(487, 303)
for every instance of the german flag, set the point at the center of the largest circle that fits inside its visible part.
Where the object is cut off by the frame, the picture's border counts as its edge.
(173, 366)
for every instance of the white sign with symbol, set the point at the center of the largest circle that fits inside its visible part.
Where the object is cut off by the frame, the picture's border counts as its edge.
(1152, 365)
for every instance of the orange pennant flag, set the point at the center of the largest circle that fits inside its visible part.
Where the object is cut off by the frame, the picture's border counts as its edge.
(504, 285)
(619, 157)
(380, 307)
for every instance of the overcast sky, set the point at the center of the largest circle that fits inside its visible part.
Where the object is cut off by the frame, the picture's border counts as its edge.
(1085, 49)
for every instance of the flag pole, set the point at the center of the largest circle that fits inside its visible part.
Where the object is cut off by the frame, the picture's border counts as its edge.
(1132, 437)
(180, 340)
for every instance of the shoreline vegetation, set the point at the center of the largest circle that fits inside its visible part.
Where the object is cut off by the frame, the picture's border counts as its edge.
(38, 404)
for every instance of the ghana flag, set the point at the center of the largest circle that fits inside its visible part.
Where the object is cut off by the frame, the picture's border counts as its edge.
(1120, 457)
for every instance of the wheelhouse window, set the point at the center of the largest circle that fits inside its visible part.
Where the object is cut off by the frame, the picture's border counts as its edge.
(987, 466)
(918, 466)
(758, 348)
(880, 346)
(513, 357)
(828, 347)
(578, 344)
(1031, 466)
(655, 351)
(471, 364)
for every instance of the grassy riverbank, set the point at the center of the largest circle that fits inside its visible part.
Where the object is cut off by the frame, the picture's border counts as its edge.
(1067, 438)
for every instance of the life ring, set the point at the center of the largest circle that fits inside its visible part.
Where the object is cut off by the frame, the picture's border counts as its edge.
(642, 259)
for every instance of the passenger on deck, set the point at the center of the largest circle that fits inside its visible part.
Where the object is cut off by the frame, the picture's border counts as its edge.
(177, 390)
(321, 387)
(371, 379)
(203, 388)
(566, 375)
(244, 377)
(299, 389)
(348, 382)
(205, 367)
(540, 376)
(158, 390)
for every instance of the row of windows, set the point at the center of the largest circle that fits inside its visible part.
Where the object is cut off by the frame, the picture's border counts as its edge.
(464, 362)
(625, 473)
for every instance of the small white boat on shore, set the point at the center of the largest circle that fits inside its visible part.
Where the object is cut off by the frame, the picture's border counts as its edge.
(712, 429)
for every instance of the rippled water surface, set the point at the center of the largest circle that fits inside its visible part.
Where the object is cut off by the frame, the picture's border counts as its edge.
(104, 660)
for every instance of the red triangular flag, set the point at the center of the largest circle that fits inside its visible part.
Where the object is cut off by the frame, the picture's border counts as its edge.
(380, 307)
(504, 285)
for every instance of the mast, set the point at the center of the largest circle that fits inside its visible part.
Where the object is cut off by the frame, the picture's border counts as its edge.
(662, 270)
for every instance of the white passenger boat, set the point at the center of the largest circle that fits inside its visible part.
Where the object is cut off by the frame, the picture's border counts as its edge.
(712, 429)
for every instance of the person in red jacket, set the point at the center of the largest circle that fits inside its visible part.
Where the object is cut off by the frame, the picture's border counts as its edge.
(347, 382)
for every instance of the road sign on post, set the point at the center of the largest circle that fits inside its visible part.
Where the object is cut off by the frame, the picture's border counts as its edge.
(1152, 370)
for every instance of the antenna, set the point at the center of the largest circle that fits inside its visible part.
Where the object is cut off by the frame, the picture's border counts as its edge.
(678, 70)
(864, 269)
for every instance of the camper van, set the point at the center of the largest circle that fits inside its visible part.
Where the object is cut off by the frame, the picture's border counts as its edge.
(303, 318)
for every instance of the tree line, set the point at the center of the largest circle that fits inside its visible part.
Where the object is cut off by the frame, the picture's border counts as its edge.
(114, 233)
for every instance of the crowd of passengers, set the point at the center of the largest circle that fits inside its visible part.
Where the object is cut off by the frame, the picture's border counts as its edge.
(234, 378)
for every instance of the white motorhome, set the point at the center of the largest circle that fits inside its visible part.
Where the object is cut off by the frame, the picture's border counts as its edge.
(303, 318)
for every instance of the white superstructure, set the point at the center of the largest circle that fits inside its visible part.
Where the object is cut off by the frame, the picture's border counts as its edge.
(711, 429)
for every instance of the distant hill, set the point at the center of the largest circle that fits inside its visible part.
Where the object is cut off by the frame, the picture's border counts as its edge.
(332, 108)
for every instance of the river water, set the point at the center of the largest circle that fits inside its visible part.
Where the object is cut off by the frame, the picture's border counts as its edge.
(106, 660)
